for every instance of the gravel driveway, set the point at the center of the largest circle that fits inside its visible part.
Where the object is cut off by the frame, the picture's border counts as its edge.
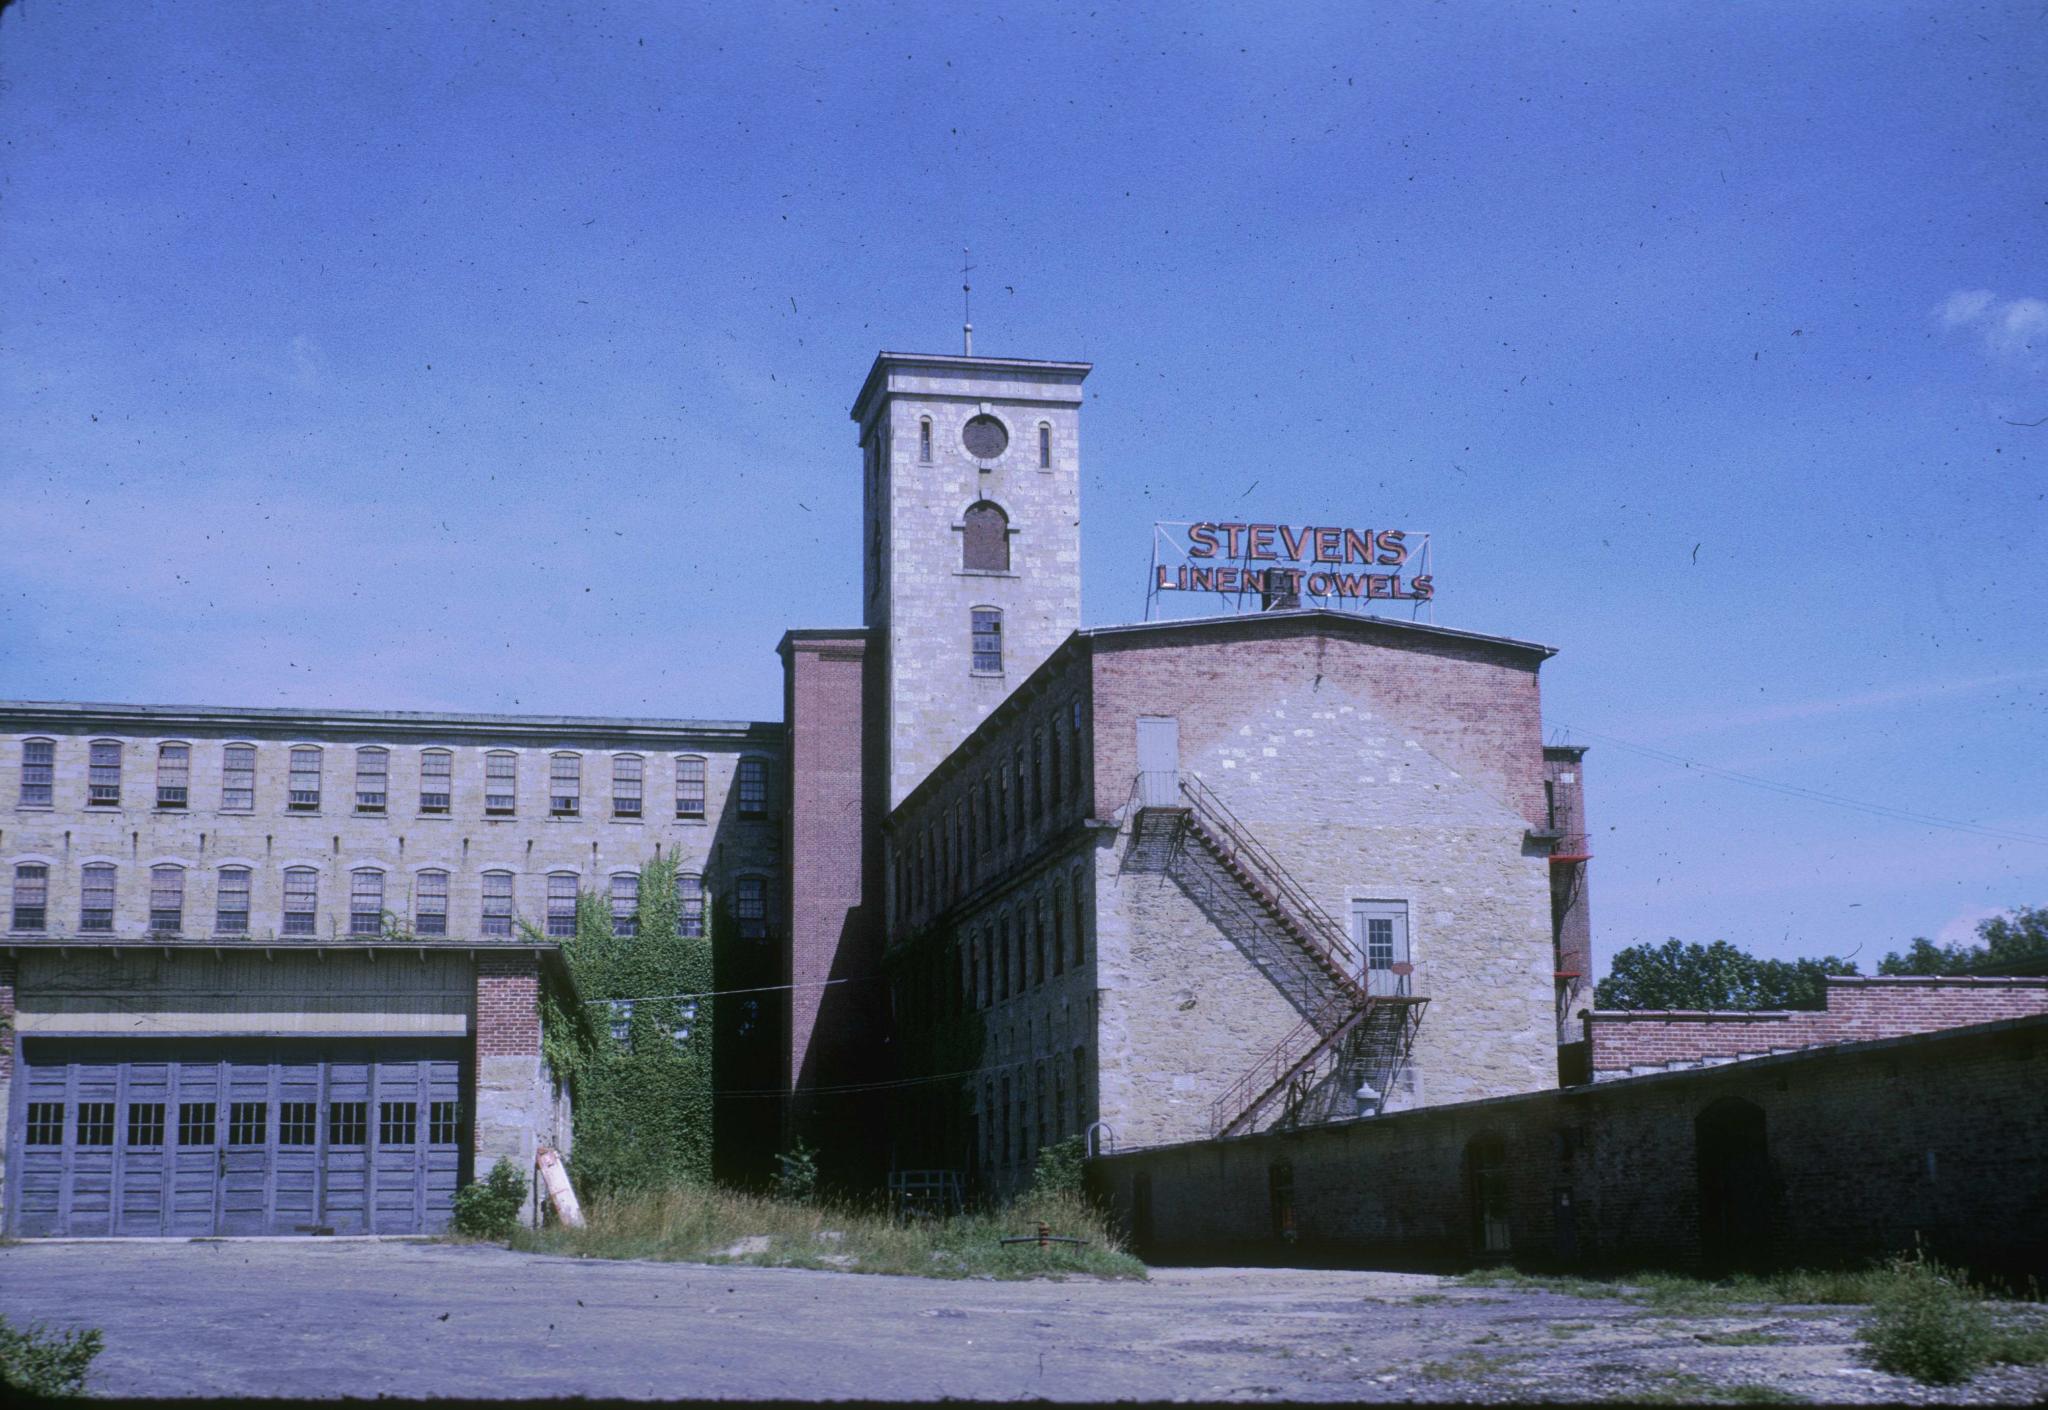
(299, 1318)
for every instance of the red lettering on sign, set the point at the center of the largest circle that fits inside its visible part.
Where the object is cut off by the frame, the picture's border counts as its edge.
(1201, 540)
(1234, 534)
(1393, 551)
(1261, 542)
(1295, 544)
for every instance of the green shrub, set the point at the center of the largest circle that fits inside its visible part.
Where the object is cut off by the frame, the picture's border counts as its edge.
(796, 1174)
(44, 1364)
(489, 1208)
(1927, 1322)
(1059, 1167)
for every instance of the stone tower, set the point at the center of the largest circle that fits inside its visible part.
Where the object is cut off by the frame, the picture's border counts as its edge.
(972, 540)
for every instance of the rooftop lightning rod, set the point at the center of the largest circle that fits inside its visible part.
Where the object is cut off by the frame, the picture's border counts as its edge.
(966, 305)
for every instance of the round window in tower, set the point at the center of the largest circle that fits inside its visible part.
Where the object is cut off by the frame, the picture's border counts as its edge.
(984, 437)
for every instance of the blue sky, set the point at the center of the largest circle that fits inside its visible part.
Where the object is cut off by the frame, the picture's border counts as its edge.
(497, 357)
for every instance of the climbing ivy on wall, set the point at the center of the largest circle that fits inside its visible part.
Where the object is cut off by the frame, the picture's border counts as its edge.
(637, 1059)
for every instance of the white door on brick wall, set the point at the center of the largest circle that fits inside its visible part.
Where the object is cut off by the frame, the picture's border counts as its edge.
(1158, 761)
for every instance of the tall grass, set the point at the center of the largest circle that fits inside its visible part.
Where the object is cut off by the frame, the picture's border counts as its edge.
(702, 1224)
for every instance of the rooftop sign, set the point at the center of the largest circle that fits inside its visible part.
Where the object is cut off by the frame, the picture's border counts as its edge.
(1289, 565)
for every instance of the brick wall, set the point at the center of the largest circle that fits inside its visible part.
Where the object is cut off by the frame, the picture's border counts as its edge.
(1625, 1042)
(507, 1005)
(1950, 1141)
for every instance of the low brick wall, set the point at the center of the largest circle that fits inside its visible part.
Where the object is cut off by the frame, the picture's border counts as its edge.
(1625, 1042)
(1862, 1148)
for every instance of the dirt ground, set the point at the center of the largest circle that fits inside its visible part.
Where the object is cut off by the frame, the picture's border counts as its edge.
(328, 1319)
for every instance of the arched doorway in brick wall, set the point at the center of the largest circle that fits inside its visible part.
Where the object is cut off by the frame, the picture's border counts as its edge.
(1486, 1191)
(1737, 1191)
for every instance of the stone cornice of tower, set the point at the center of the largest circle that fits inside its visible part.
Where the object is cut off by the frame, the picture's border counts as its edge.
(1031, 379)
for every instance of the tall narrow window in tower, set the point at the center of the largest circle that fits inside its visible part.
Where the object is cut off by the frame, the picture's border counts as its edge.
(689, 787)
(625, 904)
(31, 896)
(437, 771)
(373, 779)
(626, 769)
(987, 624)
(689, 905)
(1044, 445)
(1074, 754)
(430, 903)
(238, 778)
(301, 901)
(924, 439)
(231, 901)
(565, 785)
(501, 784)
(985, 538)
(166, 899)
(304, 780)
(366, 901)
(496, 916)
(96, 897)
(561, 905)
(173, 775)
(103, 776)
(38, 772)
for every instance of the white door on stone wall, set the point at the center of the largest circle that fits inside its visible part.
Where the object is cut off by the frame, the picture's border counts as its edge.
(1380, 931)
(1158, 761)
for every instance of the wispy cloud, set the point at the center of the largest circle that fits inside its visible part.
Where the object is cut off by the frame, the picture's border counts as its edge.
(2014, 330)
(1830, 706)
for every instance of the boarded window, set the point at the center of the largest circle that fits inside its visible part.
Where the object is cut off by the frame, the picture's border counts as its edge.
(497, 912)
(985, 543)
(985, 437)
(103, 776)
(38, 772)
(167, 899)
(96, 898)
(430, 903)
(238, 778)
(173, 775)
(501, 784)
(31, 896)
(437, 769)
(231, 901)
(689, 787)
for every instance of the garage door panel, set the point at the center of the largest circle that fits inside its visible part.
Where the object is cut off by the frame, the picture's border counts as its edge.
(238, 1137)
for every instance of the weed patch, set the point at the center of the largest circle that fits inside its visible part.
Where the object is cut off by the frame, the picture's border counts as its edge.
(1468, 1366)
(46, 1365)
(1929, 1323)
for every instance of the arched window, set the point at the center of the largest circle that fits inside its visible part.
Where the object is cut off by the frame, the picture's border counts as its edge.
(166, 899)
(437, 772)
(231, 901)
(561, 905)
(753, 788)
(1737, 1190)
(173, 775)
(985, 538)
(304, 780)
(430, 903)
(501, 783)
(626, 772)
(96, 898)
(986, 625)
(924, 439)
(625, 901)
(301, 900)
(565, 785)
(373, 779)
(238, 778)
(750, 907)
(366, 901)
(1045, 445)
(497, 903)
(38, 772)
(689, 786)
(103, 774)
(689, 905)
(31, 896)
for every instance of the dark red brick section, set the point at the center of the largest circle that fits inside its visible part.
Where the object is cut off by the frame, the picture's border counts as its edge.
(1858, 1009)
(507, 1004)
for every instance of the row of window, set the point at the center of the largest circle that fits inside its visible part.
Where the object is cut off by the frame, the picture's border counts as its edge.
(1018, 1119)
(935, 864)
(372, 792)
(367, 913)
(199, 1124)
(985, 438)
(1013, 953)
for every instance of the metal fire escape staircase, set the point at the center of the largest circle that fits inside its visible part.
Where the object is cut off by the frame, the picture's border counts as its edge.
(1351, 1033)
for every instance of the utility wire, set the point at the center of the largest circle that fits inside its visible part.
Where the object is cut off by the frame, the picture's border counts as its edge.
(1815, 795)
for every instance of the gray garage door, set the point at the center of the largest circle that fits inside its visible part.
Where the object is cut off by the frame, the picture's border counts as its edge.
(111, 1137)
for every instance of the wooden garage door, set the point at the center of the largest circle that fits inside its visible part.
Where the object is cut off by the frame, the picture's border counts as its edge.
(114, 1138)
